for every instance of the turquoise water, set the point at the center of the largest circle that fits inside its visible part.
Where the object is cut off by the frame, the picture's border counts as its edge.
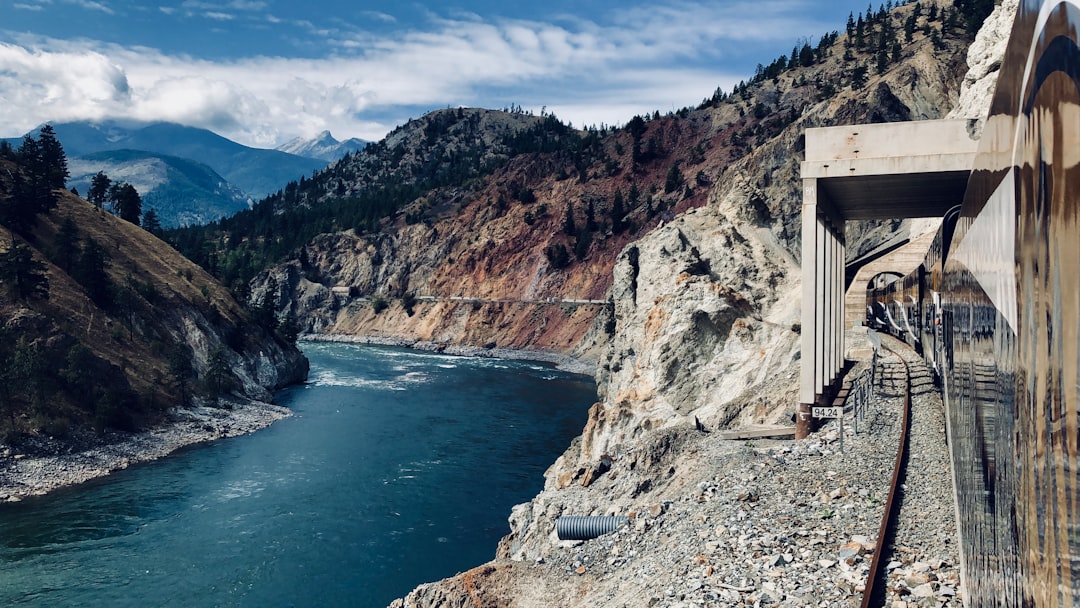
(397, 468)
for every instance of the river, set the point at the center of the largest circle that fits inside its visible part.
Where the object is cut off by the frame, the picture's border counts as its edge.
(398, 467)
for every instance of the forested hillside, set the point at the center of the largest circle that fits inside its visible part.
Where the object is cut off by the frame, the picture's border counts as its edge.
(575, 195)
(104, 325)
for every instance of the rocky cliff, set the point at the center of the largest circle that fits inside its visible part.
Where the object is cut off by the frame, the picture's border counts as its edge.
(491, 261)
(706, 310)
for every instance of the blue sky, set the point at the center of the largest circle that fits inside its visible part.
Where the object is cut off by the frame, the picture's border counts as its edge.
(264, 71)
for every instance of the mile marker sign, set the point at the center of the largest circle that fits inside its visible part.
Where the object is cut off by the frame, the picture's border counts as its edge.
(827, 412)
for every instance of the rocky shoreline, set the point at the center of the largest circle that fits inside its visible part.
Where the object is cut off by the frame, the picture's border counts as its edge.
(563, 362)
(723, 522)
(39, 465)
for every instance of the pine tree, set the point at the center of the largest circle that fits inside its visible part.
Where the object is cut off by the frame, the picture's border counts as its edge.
(126, 202)
(265, 311)
(590, 217)
(882, 61)
(179, 363)
(151, 223)
(909, 26)
(218, 375)
(618, 213)
(89, 271)
(674, 179)
(66, 245)
(31, 191)
(100, 185)
(21, 275)
(858, 77)
(569, 227)
(53, 160)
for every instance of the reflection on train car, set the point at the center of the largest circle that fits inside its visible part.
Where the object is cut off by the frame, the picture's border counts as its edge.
(909, 307)
(995, 307)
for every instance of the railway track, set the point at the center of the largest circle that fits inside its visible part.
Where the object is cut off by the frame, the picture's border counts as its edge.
(874, 593)
(915, 550)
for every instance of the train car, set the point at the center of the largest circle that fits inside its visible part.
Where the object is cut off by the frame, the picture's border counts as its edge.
(1012, 292)
(930, 279)
(995, 307)
(880, 293)
(893, 305)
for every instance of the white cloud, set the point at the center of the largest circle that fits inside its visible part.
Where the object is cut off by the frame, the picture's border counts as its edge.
(37, 86)
(92, 5)
(235, 5)
(583, 71)
(379, 16)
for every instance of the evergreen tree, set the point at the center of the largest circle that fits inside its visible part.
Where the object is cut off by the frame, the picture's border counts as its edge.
(179, 363)
(126, 202)
(674, 179)
(21, 275)
(53, 160)
(78, 373)
(29, 371)
(218, 376)
(29, 155)
(590, 217)
(150, 222)
(618, 213)
(66, 245)
(858, 77)
(265, 312)
(100, 185)
(89, 271)
(557, 255)
(882, 61)
(569, 227)
(31, 192)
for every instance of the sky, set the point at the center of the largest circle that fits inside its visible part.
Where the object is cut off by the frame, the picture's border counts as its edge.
(262, 72)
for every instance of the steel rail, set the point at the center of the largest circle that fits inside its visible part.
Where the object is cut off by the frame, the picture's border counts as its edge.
(870, 591)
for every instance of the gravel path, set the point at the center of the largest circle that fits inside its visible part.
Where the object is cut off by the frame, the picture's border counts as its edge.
(923, 567)
(717, 522)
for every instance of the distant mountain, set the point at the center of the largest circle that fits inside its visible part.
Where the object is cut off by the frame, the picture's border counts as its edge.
(322, 146)
(256, 171)
(181, 191)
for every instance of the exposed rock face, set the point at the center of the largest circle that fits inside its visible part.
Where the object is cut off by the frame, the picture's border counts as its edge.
(706, 308)
(984, 60)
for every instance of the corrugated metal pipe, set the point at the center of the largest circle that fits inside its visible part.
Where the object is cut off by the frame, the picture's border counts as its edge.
(576, 527)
